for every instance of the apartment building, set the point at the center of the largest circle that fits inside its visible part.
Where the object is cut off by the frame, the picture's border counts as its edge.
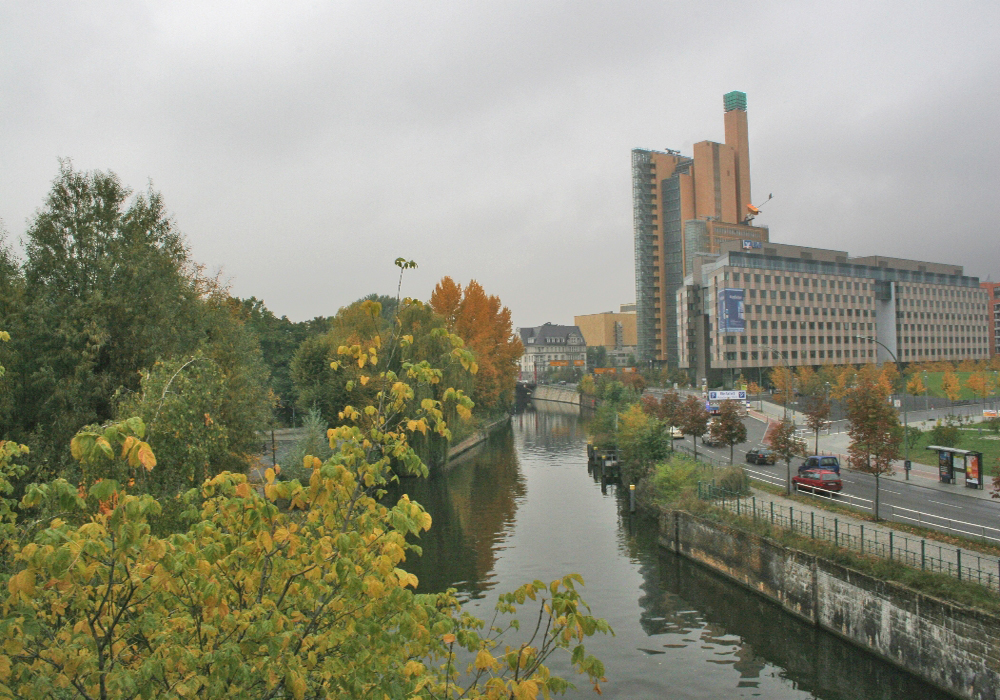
(748, 307)
(548, 347)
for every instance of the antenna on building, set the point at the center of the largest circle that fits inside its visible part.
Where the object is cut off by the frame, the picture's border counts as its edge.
(753, 211)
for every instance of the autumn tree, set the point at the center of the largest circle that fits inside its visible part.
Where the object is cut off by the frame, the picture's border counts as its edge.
(873, 426)
(783, 380)
(254, 600)
(755, 389)
(980, 384)
(817, 410)
(728, 427)
(786, 446)
(485, 326)
(915, 385)
(693, 420)
(951, 385)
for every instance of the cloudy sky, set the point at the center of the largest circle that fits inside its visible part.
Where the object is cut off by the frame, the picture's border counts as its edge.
(302, 146)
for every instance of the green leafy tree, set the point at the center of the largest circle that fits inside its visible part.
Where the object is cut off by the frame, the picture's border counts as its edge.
(728, 427)
(642, 442)
(946, 433)
(108, 289)
(597, 356)
(257, 601)
(787, 447)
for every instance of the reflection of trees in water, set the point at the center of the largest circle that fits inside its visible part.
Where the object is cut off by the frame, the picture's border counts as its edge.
(684, 605)
(473, 505)
(550, 426)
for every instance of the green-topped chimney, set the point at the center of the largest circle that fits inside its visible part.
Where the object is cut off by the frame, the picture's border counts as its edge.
(734, 100)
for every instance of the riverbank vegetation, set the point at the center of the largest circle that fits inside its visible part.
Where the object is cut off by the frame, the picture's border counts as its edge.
(136, 557)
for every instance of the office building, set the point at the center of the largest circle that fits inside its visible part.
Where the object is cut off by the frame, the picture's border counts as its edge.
(550, 347)
(683, 206)
(993, 314)
(748, 306)
(613, 331)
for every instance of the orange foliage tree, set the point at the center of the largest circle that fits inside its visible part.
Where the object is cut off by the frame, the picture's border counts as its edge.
(485, 326)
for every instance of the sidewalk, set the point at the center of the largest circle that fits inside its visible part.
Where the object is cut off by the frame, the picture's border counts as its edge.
(871, 538)
(836, 442)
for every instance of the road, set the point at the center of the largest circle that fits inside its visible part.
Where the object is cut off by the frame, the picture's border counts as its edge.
(951, 506)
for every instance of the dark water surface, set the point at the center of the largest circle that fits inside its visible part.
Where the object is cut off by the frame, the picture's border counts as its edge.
(525, 507)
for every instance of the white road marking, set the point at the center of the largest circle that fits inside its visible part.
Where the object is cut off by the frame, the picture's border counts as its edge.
(885, 490)
(944, 504)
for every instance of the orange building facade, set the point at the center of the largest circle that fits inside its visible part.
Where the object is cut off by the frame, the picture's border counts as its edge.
(685, 206)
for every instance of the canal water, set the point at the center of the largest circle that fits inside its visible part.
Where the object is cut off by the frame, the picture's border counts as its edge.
(525, 507)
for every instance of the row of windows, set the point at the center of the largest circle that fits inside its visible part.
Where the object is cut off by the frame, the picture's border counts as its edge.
(796, 281)
(847, 354)
(794, 354)
(809, 296)
(797, 339)
(767, 310)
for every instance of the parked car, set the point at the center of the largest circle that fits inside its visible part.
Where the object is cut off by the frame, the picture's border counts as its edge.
(821, 462)
(818, 480)
(761, 455)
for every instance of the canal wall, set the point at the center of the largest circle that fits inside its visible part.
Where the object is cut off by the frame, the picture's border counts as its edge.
(546, 392)
(476, 439)
(952, 647)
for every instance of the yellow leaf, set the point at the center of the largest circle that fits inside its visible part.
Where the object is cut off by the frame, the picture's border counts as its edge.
(146, 457)
(448, 639)
(269, 475)
(298, 684)
(485, 661)
(243, 490)
(264, 540)
(363, 380)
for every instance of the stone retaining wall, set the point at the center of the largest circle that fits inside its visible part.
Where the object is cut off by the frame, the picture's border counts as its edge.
(545, 392)
(952, 647)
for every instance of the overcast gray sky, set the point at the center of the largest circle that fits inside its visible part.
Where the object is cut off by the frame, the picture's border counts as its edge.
(303, 146)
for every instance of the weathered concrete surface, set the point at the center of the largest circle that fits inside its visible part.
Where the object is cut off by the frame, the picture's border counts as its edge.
(545, 392)
(955, 648)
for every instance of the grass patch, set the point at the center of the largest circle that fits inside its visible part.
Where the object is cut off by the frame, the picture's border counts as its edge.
(936, 584)
(973, 437)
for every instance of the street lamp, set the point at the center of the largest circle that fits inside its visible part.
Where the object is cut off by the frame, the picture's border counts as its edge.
(906, 440)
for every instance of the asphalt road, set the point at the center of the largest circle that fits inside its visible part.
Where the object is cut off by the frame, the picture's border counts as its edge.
(951, 508)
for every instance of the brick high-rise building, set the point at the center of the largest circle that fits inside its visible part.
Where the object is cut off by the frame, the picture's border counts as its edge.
(683, 206)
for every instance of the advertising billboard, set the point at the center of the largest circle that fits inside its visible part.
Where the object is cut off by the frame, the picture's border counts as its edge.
(973, 467)
(946, 471)
(731, 318)
(727, 395)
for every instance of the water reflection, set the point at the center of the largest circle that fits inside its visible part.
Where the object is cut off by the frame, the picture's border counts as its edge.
(525, 508)
(473, 504)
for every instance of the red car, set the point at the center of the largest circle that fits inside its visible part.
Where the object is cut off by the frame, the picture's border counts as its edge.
(818, 480)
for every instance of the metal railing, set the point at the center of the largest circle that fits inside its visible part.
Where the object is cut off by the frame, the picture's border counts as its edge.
(921, 553)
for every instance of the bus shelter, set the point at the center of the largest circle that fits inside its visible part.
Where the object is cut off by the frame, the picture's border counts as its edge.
(952, 459)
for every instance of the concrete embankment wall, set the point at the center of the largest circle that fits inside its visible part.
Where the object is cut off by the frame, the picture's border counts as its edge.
(544, 392)
(955, 648)
(477, 438)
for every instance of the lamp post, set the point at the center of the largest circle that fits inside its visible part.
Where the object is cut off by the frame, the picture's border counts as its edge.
(906, 437)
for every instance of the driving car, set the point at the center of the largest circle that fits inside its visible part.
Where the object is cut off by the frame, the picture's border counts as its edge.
(676, 433)
(818, 480)
(761, 455)
(829, 462)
